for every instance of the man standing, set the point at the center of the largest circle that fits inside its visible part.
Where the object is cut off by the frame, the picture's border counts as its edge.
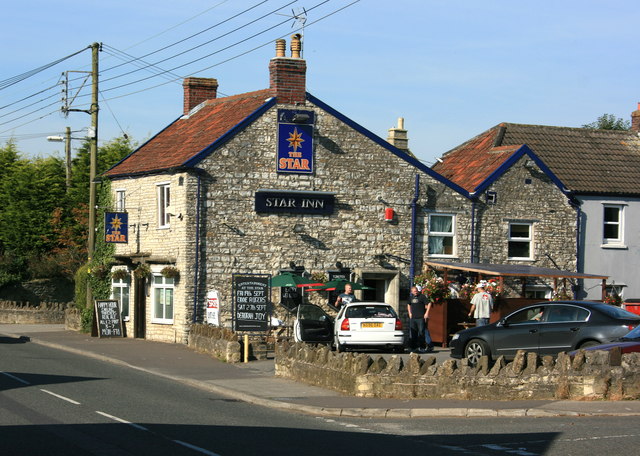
(419, 308)
(481, 305)
(345, 298)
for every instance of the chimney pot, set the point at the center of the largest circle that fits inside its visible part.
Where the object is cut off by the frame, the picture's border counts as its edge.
(296, 45)
(281, 46)
(635, 120)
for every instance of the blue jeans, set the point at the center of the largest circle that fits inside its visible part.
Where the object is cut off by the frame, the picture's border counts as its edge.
(419, 331)
(482, 321)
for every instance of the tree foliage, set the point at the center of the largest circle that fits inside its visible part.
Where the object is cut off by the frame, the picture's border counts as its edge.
(44, 225)
(608, 122)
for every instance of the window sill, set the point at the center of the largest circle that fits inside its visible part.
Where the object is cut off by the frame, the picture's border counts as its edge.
(162, 322)
(614, 246)
(166, 227)
(436, 255)
(520, 259)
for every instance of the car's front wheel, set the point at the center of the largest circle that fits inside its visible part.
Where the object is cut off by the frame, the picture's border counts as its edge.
(475, 350)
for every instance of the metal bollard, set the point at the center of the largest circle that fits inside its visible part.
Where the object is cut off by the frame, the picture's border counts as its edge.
(246, 348)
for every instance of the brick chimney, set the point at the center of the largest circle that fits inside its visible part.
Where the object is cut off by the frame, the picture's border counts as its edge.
(398, 136)
(635, 120)
(287, 75)
(197, 90)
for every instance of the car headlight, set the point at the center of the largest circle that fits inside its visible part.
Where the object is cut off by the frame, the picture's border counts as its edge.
(455, 336)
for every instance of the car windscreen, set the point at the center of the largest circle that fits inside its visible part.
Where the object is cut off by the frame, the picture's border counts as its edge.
(370, 312)
(616, 312)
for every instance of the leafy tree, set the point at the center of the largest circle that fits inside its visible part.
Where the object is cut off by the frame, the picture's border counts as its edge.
(608, 122)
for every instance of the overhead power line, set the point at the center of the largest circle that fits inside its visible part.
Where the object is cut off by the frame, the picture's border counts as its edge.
(21, 77)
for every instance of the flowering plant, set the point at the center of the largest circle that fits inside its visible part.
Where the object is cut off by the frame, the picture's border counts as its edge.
(560, 295)
(433, 287)
(143, 270)
(466, 291)
(613, 299)
(170, 272)
(492, 287)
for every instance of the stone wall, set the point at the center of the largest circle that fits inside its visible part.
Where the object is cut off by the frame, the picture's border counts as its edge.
(25, 313)
(39, 290)
(587, 376)
(217, 342)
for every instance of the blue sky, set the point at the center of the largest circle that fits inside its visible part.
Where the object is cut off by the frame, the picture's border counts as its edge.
(452, 69)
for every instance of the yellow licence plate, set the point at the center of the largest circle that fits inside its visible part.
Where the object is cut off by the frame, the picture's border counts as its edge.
(371, 325)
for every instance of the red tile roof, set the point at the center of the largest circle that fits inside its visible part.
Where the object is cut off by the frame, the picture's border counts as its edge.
(585, 160)
(188, 136)
(469, 164)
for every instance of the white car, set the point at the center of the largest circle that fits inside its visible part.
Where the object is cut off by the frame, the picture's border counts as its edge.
(368, 324)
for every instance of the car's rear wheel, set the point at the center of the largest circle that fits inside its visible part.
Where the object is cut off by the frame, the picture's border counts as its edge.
(589, 343)
(336, 343)
(475, 350)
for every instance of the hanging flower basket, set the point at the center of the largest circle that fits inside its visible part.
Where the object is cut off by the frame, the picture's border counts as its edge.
(143, 270)
(170, 272)
(120, 274)
(99, 271)
(613, 299)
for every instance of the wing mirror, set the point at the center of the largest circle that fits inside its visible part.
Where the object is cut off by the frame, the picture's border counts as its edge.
(503, 322)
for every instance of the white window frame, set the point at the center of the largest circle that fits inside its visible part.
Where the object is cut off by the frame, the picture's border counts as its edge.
(163, 194)
(451, 235)
(548, 291)
(619, 241)
(121, 200)
(167, 284)
(122, 283)
(528, 239)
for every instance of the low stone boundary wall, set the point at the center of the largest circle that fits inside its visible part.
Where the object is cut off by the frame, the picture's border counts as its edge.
(25, 313)
(218, 342)
(73, 319)
(587, 376)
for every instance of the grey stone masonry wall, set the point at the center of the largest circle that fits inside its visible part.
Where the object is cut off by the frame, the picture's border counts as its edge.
(26, 313)
(526, 195)
(217, 342)
(365, 177)
(588, 375)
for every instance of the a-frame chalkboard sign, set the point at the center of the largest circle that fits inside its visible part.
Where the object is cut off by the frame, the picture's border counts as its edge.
(108, 318)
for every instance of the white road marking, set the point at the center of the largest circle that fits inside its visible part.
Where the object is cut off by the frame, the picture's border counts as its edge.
(24, 382)
(60, 397)
(195, 448)
(120, 420)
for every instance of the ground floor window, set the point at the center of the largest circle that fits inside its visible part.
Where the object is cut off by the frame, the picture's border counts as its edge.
(120, 292)
(162, 299)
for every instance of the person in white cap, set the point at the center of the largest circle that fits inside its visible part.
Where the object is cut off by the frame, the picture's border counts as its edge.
(481, 305)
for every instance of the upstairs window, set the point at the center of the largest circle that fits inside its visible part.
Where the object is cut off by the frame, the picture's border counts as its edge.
(441, 235)
(520, 237)
(120, 201)
(612, 225)
(164, 201)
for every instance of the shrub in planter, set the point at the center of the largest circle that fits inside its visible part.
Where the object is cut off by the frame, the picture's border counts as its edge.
(120, 274)
(143, 270)
(170, 272)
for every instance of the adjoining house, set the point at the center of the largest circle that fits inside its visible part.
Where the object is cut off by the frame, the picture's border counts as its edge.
(586, 223)
(268, 181)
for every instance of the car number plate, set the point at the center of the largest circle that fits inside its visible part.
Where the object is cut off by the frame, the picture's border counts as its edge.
(371, 325)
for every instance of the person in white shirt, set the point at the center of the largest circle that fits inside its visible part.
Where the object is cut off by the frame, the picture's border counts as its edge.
(481, 305)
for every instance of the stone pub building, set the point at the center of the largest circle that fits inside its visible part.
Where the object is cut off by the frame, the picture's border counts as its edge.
(267, 181)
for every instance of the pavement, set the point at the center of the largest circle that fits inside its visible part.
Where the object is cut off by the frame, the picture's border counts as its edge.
(255, 382)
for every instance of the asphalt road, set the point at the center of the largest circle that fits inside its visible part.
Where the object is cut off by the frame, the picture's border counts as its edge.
(55, 403)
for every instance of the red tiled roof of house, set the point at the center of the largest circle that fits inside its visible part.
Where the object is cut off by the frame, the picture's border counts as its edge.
(188, 136)
(585, 160)
(469, 164)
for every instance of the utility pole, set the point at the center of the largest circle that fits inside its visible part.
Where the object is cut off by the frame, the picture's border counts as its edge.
(67, 157)
(93, 153)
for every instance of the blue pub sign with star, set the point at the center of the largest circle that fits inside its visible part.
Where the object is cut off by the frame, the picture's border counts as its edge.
(295, 141)
(116, 227)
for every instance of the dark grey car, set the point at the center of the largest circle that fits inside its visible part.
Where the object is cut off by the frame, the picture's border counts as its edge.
(546, 328)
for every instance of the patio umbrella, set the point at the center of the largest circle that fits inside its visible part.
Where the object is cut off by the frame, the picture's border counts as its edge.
(339, 284)
(287, 279)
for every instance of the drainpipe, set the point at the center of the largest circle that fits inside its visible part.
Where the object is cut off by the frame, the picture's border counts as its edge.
(414, 223)
(473, 229)
(579, 267)
(197, 247)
